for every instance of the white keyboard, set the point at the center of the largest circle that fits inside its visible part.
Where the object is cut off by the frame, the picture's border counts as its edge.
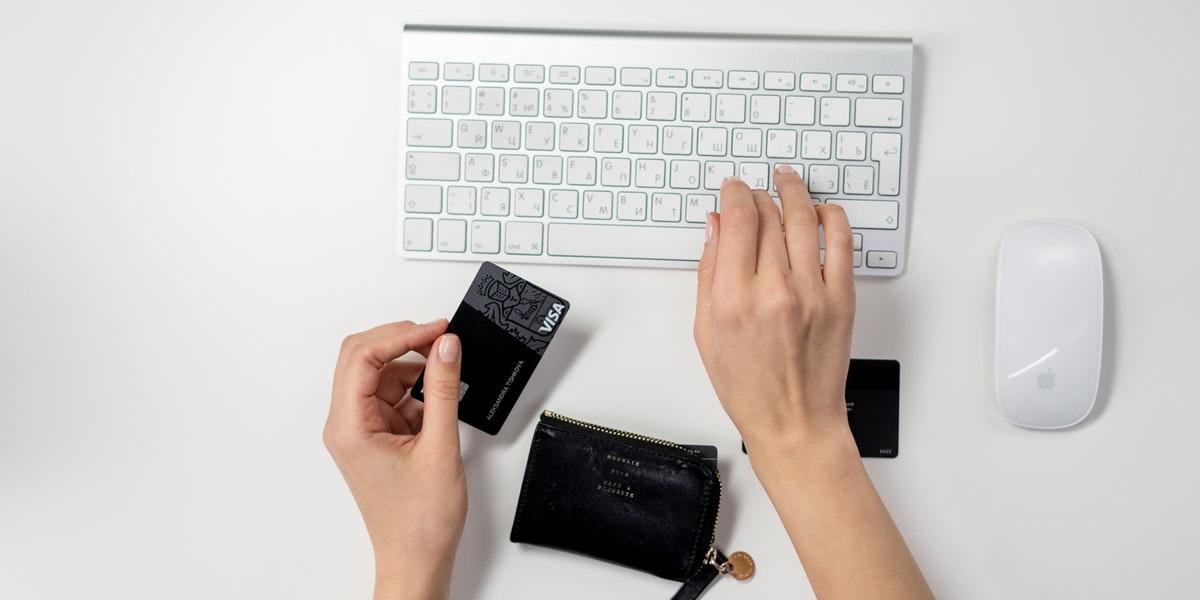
(573, 147)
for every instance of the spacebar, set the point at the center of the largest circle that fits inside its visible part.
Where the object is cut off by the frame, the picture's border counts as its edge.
(625, 241)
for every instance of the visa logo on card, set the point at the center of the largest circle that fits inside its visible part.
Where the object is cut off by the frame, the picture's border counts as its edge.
(505, 324)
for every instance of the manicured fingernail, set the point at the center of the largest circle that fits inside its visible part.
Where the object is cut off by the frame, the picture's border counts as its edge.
(448, 348)
(784, 169)
(708, 228)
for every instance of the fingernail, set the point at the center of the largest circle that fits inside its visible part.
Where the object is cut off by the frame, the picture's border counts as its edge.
(708, 228)
(731, 178)
(448, 348)
(432, 322)
(784, 169)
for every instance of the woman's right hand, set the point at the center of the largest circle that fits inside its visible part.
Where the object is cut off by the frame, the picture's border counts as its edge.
(773, 327)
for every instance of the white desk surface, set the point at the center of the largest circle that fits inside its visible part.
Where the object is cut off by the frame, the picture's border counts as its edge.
(197, 203)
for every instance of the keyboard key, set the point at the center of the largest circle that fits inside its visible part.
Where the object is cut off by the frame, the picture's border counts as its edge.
(627, 105)
(697, 107)
(631, 206)
(677, 139)
(493, 72)
(858, 181)
(539, 135)
(857, 241)
(581, 170)
(452, 235)
(715, 172)
(731, 108)
(878, 112)
(823, 179)
(472, 133)
(528, 202)
(743, 80)
(564, 204)
(781, 143)
(458, 71)
(685, 174)
(593, 104)
(456, 100)
(460, 200)
(643, 139)
(870, 214)
(430, 132)
(522, 237)
(887, 84)
(523, 102)
(635, 76)
(625, 241)
(764, 109)
(418, 234)
(697, 207)
(529, 74)
(815, 144)
(562, 74)
(835, 112)
(797, 167)
(597, 205)
(422, 98)
(514, 168)
(665, 207)
(485, 237)
(671, 77)
(422, 70)
(608, 137)
(494, 202)
(851, 145)
(614, 172)
(798, 110)
(712, 141)
(756, 175)
(600, 76)
(885, 150)
(746, 142)
(660, 106)
(779, 80)
(573, 137)
(650, 173)
(432, 166)
(814, 82)
(877, 259)
(707, 78)
(479, 167)
(851, 82)
(506, 135)
(422, 198)
(489, 101)
(547, 170)
(559, 103)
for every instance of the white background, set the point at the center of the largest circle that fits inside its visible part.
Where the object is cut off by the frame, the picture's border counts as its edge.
(197, 204)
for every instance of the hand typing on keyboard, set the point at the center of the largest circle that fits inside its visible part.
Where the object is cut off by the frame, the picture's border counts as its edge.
(773, 329)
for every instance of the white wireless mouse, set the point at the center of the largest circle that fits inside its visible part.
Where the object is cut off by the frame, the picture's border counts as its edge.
(1049, 324)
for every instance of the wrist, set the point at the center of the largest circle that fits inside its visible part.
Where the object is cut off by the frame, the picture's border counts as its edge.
(803, 458)
(423, 578)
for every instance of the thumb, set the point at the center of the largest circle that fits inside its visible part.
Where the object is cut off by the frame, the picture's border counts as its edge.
(440, 420)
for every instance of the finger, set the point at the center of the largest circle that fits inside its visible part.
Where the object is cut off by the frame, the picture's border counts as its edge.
(737, 254)
(772, 252)
(440, 418)
(839, 248)
(395, 379)
(708, 262)
(799, 225)
(363, 356)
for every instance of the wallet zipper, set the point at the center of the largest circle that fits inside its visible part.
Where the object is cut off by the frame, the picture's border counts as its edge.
(709, 557)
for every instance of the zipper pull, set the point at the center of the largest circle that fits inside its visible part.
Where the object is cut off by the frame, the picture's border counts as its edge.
(739, 565)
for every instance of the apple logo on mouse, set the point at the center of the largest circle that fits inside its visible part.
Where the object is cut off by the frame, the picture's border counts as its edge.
(1045, 379)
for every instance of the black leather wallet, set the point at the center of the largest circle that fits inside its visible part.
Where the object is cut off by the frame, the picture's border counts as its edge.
(626, 498)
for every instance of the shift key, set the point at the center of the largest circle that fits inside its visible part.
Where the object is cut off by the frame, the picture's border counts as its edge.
(432, 166)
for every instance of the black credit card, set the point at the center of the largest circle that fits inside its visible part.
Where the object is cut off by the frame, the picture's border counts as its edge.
(706, 453)
(505, 325)
(873, 407)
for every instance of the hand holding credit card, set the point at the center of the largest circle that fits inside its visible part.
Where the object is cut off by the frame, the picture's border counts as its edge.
(505, 324)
